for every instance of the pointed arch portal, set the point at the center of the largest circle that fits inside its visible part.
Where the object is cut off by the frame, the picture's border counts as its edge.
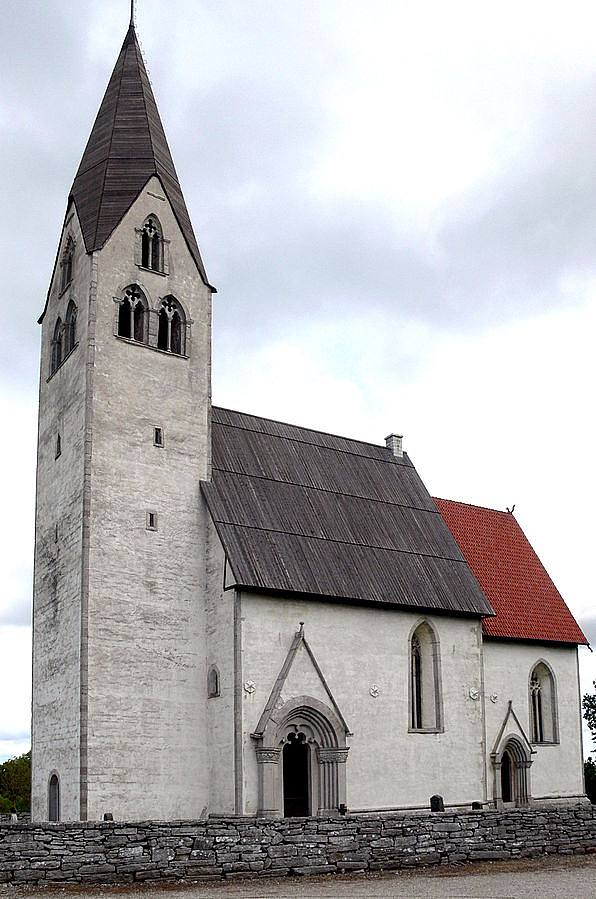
(301, 758)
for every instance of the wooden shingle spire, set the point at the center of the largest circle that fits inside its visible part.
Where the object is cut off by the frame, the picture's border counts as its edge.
(127, 146)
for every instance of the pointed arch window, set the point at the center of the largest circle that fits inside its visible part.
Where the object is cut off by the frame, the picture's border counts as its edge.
(171, 331)
(57, 346)
(66, 264)
(70, 328)
(213, 682)
(54, 798)
(152, 245)
(425, 707)
(543, 708)
(133, 315)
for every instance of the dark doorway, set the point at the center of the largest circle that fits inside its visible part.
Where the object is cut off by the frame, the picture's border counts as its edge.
(296, 777)
(506, 790)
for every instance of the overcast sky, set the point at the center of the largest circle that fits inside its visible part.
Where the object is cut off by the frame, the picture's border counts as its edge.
(397, 203)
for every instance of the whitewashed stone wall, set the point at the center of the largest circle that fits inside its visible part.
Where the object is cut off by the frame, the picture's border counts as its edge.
(220, 652)
(557, 769)
(58, 545)
(146, 649)
(356, 648)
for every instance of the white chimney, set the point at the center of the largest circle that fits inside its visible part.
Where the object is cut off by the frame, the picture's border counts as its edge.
(394, 444)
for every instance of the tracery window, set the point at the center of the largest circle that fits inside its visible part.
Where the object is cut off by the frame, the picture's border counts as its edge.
(152, 245)
(171, 331)
(66, 264)
(425, 686)
(70, 328)
(57, 346)
(132, 315)
(543, 724)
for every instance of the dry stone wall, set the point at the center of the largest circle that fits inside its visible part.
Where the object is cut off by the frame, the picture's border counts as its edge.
(250, 847)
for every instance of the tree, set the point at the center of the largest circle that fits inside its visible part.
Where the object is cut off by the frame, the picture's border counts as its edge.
(15, 784)
(590, 712)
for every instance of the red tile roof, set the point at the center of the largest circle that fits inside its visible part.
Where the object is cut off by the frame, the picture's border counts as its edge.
(528, 606)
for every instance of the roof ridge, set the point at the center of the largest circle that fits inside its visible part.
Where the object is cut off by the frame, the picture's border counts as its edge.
(289, 424)
(461, 502)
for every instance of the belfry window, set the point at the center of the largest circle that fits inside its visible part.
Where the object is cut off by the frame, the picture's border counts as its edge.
(70, 328)
(152, 245)
(132, 315)
(425, 692)
(171, 331)
(57, 346)
(543, 727)
(66, 264)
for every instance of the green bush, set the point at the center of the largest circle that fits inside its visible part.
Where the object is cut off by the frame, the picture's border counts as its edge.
(15, 784)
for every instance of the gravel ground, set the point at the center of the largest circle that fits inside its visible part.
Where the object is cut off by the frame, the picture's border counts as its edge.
(550, 878)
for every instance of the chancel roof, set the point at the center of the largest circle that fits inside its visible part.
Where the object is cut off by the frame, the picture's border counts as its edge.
(303, 512)
(127, 146)
(528, 606)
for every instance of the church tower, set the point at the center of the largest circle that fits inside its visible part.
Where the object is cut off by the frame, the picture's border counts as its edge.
(124, 440)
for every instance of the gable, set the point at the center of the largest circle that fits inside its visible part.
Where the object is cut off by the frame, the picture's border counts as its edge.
(300, 511)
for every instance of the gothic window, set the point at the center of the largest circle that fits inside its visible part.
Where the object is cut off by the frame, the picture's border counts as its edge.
(152, 245)
(171, 331)
(542, 705)
(132, 315)
(57, 346)
(54, 798)
(213, 682)
(70, 328)
(66, 265)
(425, 698)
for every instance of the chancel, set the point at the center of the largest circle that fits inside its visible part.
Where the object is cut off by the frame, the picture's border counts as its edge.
(234, 615)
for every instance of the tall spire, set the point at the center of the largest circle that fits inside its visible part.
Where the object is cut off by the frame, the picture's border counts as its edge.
(127, 146)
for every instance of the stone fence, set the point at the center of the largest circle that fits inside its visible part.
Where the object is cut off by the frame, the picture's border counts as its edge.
(244, 847)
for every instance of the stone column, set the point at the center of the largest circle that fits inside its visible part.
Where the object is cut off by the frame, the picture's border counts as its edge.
(332, 780)
(268, 781)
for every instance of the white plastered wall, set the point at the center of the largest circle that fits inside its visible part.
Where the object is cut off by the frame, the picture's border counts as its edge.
(146, 649)
(357, 647)
(557, 769)
(58, 546)
(220, 652)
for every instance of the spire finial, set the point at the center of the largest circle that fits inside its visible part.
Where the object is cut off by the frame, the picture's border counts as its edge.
(132, 13)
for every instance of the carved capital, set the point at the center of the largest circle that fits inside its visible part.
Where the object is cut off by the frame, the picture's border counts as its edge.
(268, 756)
(327, 756)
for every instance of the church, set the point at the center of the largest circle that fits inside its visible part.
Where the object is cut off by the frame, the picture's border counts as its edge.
(239, 616)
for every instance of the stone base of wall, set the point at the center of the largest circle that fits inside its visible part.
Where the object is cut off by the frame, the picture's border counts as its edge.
(217, 848)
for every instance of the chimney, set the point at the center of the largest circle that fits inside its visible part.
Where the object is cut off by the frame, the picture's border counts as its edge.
(394, 444)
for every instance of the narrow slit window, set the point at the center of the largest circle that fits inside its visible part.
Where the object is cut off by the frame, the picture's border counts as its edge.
(213, 682)
(58, 446)
(151, 521)
(158, 437)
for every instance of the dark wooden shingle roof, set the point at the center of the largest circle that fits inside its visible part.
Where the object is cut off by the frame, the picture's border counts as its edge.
(127, 146)
(300, 511)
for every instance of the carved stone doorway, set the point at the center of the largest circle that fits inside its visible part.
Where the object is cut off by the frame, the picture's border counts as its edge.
(296, 776)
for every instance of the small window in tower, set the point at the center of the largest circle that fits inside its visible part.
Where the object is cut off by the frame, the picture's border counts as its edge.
(171, 328)
(70, 328)
(151, 521)
(132, 315)
(66, 264)
(152, 245)
(213, 682)
(58, 446)
(57, 346)
(158, 437)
